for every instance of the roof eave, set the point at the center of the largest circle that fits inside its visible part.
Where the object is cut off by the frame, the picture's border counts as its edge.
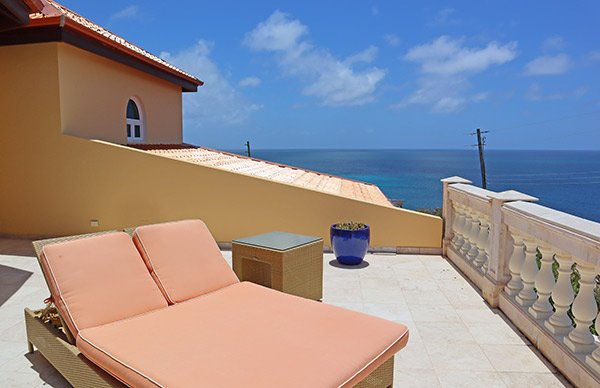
(62, 29)
(190, 83)
(16, 10)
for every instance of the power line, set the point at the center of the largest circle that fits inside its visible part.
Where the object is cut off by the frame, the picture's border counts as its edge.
(547, 183)
(521, 126)
(549, 179)
(549, 174)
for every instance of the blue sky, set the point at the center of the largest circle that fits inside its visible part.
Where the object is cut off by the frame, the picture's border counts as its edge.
(360, 74)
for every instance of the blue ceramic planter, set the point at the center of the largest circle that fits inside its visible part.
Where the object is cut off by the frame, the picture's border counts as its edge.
(350, 246)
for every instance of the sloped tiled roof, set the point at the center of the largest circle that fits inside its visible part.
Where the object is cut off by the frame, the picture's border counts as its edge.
(273, 171)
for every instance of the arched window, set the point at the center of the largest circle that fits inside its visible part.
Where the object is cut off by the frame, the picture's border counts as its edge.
(135, 123)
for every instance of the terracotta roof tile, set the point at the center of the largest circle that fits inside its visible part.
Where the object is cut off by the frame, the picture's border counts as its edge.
(274, 171)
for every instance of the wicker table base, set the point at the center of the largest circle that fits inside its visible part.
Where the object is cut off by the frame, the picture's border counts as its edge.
(297, 270)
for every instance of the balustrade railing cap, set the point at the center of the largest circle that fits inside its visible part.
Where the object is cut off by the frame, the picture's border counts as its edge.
(473, 190)
(513, 195)
(563, 220)
(456, 179)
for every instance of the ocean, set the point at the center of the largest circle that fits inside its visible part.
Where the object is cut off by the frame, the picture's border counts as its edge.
(564, 180)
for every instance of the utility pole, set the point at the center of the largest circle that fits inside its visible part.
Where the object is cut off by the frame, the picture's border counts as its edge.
(480, 144)
(248, 148)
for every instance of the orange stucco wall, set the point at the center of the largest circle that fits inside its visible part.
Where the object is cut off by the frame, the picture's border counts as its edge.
(54, 183)
(94, 92)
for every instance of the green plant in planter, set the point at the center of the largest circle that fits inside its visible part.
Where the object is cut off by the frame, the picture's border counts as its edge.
(350, 225)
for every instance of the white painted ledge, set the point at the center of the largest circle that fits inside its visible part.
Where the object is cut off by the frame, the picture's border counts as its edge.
(563, 220)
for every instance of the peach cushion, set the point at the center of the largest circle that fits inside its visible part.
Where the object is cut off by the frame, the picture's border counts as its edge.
(183, 258)
(244, 335)
(99, 280)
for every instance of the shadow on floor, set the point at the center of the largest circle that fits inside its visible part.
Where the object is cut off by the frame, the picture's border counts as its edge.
(11, 279)
(16, 247)
(335, 263)
(46, 371)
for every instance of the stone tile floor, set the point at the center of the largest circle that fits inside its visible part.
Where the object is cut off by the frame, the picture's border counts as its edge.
(456, 340)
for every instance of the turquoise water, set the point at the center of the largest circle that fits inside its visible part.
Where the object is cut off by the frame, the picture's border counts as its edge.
(564, 180)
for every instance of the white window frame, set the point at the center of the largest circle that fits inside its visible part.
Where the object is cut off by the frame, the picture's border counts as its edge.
(133, 122)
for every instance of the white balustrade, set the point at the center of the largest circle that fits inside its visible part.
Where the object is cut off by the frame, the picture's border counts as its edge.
(593, 360)
(585, 309)
(496, 240)
(563, 318)
(468, 223)
(527, 295)
(480, 260)
(469, 235)
(459, 220)
(475, 241)
(560, 323)
(544, 283)
(454, 225)
(515, 264)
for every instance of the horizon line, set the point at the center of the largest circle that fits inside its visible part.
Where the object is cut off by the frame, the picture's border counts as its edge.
(474, 149)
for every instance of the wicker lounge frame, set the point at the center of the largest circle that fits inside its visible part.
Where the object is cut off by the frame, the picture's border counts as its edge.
(47, 332)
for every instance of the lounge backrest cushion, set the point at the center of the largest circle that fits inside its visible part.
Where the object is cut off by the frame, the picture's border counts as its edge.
(98, 280)
(183, 258)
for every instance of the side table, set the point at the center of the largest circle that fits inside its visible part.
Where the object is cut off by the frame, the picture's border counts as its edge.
(287, 262)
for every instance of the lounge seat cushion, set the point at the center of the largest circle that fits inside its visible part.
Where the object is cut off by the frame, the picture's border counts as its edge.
(244, 335)
(98, 280)
(183, 258)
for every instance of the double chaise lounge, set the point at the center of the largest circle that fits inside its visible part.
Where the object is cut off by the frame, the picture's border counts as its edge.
(164, 309)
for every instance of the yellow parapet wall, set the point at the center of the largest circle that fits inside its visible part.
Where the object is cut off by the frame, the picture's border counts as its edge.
(55, 184)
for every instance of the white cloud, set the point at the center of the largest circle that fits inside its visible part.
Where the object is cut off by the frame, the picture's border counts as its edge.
(480, 96)
(249, 82)
(392, 39)
(368, 55)
(548, 65)
(277, 33)
(445, 65)
(129, 12)
(443, 94)
(374, 11)
(448, 104)
(580, 91)
(554, 43)
(445, 17)
(217, 101)
(536, 93)
(594, 56)
(445, 56)
(332, 80)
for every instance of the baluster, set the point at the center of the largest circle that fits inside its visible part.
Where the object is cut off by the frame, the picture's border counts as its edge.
(487, 235)
(456, 231)
(544, 283)
(475, 242)
(560, 323)
(466, 246)
(483, 244)
(515, 264)
(527, 295)
(580, 339)
(594, 359)
(474, 233)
